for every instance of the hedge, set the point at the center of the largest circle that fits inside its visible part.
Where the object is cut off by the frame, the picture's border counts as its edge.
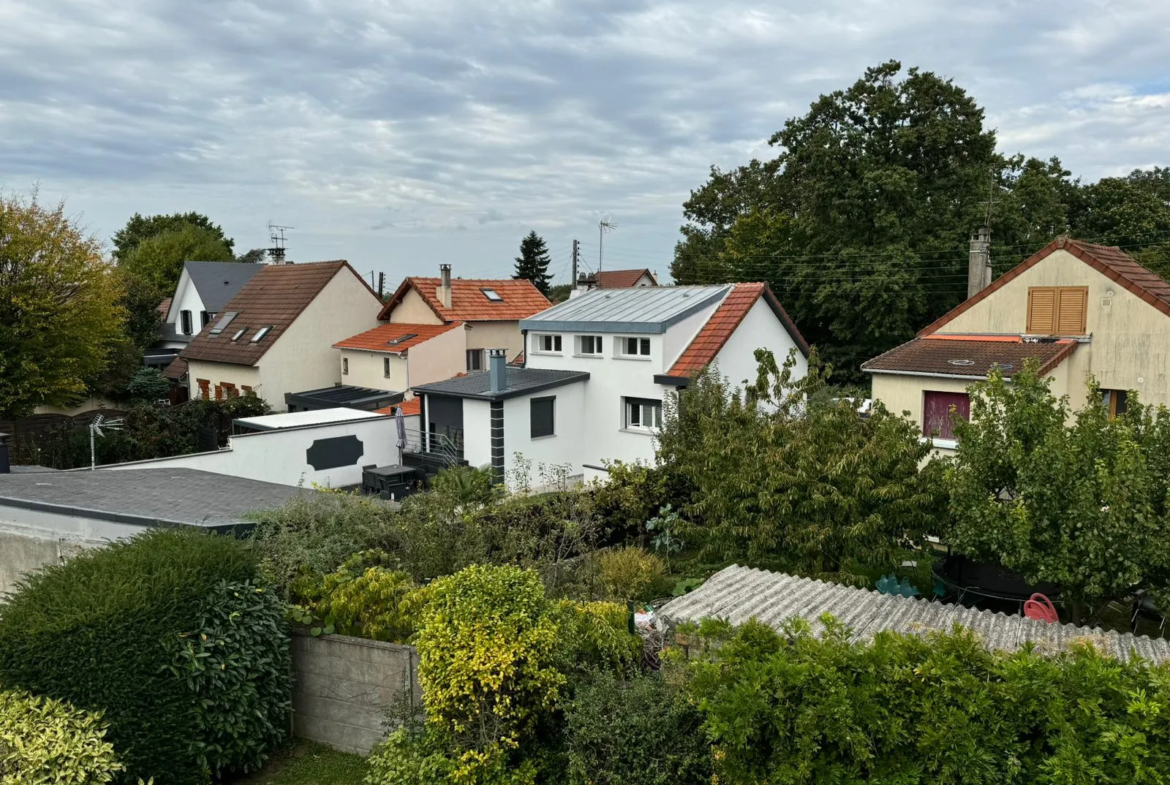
(45, 741)
(103, 633)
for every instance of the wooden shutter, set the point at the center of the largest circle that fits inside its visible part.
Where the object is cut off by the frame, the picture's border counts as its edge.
(1070, 310)
(1041, 310)
(936, 412)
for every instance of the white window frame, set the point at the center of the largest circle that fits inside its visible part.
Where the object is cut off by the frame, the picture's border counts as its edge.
(622, 345)
(596, 342)
(555, 341)
(637, 409)
(478, 354)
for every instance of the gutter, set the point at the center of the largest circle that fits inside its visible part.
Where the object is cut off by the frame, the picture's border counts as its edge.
(930, 375)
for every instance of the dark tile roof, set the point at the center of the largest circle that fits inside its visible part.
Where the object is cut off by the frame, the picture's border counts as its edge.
(218, 282)
(521, 381)
(146, 496)
(1108, 260)
(621, 279)
(176, 370)
(969, 356)
(382, 337)
(519, 299)
(275, 296)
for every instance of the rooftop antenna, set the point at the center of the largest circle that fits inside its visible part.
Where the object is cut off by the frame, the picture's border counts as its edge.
(276, 235)
(606, 224)
(95, 429)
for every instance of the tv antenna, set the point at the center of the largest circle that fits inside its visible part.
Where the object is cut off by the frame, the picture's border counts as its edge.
(606, 224)
(95, 429)
(276, 235)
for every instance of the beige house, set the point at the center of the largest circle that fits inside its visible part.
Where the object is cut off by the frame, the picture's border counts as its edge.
(1079, 309)
(276, 336)
(396, 357)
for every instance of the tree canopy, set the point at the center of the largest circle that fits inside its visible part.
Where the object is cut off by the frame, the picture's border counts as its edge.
(870, 203)
(532, 263)
(158, 259)
(141, 228)
(60, 311)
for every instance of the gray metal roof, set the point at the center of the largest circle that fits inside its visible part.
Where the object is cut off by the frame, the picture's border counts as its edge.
(521, 381)
(740, 593)
(218, 282)
(146, 497)
(644, 310)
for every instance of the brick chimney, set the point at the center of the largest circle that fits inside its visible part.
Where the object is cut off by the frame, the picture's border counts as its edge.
(498, 369)
(445, 285)
(979, 262)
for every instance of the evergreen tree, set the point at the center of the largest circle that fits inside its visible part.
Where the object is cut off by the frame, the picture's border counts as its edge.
(532, 263)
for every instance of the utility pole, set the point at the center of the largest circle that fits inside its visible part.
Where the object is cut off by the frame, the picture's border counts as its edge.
(575, 260)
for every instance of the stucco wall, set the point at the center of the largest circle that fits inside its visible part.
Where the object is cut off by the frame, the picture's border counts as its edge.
(495, 335)
(679, 336)
(440, 358)
(563, 447)
(218, 373)
(904, 394)
(367, 369)
(1130, 348)
(31, 539)
(477, 433)
(186, 297)
(413, 310)
(760, 329)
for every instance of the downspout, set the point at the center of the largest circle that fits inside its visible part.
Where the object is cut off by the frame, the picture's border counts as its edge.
(524, 348)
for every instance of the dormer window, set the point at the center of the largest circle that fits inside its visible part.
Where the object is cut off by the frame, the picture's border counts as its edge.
(492, 295)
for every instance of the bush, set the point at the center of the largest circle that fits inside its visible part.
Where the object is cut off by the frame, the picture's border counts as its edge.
(101, 633)
(941, 709)
(632, 493)
(45, 741)
(635, 733)
(631, 574)
(364, 600)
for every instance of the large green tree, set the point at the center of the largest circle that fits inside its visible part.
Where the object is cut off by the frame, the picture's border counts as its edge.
(158, 260)
(60, 312)
(142, 227)
(532, 263)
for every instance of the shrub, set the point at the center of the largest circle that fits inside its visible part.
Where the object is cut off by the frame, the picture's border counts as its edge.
(596, 639)
(100, 632)
(635, 733)
(364, 600)
(45, 741)
(630, 574)
(632, 493)
(414, 754)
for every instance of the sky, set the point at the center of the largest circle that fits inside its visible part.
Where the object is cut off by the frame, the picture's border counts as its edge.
(401, 134)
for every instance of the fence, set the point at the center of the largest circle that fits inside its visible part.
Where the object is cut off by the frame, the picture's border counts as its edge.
(345, 688)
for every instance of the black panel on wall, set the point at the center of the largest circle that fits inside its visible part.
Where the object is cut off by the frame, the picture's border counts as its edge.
(335, 452)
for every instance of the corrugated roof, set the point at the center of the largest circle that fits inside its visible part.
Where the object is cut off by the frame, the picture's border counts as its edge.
(521, 381)
(740, 593)
(643, 310)
(518, 299)
(395, 337)
(218, 282)
(969, 356)
(621, 279)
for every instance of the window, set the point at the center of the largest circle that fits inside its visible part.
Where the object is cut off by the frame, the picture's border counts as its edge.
(936, 413)
(634, 347)
(643, 414)
(1116, 401)
(589, 344)
(239, 334)
(543, 417)
(475, 359)
(222, 324)
(402, 339)
(1057, 310)
(260, 333)
(492, 295)
(386, 367)
(548, 343)
(185, 319)
(344, 366)
(204, 318)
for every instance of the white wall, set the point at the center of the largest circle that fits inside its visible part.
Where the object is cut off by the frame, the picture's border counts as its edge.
(279, 456)
(413, 310)
(218, 373)
(760, 329)
(564, 447)
(679, 336)
(440, 358)
(186, 297)
(477, 433)
(367, 369)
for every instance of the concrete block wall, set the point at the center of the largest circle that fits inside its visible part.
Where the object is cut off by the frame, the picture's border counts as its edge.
(345, 686)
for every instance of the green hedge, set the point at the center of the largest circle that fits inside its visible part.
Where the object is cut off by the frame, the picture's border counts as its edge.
(102, 632)
(45, 741)
(930, 710)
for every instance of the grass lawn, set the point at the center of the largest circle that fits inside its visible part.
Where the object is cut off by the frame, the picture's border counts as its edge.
(308, 763)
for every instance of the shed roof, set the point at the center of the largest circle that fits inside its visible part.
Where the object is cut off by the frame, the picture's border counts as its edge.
(740, 593)
(969, 356)
(521, 381)
(641, 310)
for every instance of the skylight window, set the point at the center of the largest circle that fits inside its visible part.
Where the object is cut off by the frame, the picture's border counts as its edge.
(224, 321)
(239, 334)
(492, 295)
(403, 339)
(261, 333)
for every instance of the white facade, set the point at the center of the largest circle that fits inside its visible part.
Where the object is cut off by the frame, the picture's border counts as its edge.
(433, 360)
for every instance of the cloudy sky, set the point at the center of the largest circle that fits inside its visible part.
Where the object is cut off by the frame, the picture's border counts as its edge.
(404, 133)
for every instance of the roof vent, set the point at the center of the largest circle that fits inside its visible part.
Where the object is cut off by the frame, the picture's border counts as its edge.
(1001, 366)
(961, 362)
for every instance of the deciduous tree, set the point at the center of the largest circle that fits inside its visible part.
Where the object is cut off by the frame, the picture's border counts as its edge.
(158, 260)
(141, 228)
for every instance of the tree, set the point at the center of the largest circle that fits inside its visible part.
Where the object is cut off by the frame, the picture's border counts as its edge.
(158, 260)
(532, 263)
(141, 228)
(1077, 501)
(59, 307)
(148, 386)
(141, 300)
(254, 256)
(1128, 211)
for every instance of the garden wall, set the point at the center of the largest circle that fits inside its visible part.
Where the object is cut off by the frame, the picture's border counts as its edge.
(344, 687)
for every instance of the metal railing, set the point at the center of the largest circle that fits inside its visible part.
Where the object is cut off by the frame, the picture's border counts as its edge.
(447, 445)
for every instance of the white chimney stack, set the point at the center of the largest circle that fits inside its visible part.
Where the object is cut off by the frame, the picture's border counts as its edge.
(445, 285)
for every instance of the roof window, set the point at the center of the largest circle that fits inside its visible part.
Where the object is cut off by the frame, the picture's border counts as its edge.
(239, 334)
(224, 321)
(261, 333)
(492, 295)
(402, 339)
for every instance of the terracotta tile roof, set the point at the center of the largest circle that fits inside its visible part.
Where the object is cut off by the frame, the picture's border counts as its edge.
(970, 355)
(275, 296)
(518, 359)
(1108, 260)
(735, 306)
(411, 407)
(520, 299)
(621, 279)
(176, 370)
(164, 307)
(382, 337)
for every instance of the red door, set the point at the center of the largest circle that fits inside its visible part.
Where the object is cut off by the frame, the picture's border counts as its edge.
(936, 412)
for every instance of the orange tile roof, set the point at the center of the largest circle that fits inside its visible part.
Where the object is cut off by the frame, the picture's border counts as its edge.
(520, 299)
(727, 317)
(381, 338)
(411, 407)
(621, 279)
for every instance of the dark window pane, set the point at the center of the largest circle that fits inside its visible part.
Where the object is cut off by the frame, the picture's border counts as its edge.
(646, 346)
(543, 416)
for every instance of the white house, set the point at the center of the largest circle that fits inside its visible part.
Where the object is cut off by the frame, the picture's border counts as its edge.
(597, 369)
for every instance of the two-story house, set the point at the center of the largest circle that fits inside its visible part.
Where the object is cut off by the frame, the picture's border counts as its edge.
(597, 370)
(1079, 309)
(204, 288)
(276, 336)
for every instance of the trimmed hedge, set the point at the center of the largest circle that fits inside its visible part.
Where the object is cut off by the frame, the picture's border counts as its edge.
(101, 633)
(45, 741)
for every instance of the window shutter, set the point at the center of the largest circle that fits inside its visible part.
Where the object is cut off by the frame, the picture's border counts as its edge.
(1041, 310)
(1070, 311)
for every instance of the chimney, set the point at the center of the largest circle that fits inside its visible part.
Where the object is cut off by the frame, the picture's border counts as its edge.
(498, 369)
(4, 467)
(979, 262)
(445, 285)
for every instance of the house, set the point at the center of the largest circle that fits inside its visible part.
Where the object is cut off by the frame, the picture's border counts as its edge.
(615, 279)
(275, 337)
(395, 356)
(1076, 308)
(596, 371)
(489, 312)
